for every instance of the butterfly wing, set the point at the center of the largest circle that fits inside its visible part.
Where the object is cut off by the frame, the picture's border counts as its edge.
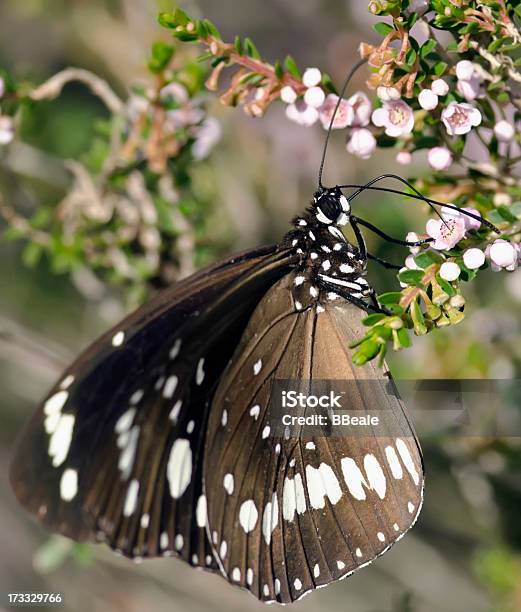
(290, 515)
(115, 450)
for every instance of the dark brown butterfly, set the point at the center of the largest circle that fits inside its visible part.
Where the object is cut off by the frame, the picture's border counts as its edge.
(156, 439)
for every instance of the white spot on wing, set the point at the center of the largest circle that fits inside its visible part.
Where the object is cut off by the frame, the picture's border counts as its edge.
(255, 411)
(293, 497)
(380, 536)
(178, 542)
(353, 477)
(67, 382)
(297, 584)
(69, 484)
(410, 507)
(174, 413)
(310, 445)
(358, 552)
(257, 367)
(270, 518)
(174, 351)
(340, 565)
(223, 549)
(145, 520)
(199, 376)
(55, 403)
(170, 386)
(394, 462)
(248, 515)
(118, 338)
(249, 576)
(127, 441)
(179, 467)
(163, 540)
(299, 280)
(322, 482)
(131, 498)
(266, 432)
(407, 460)
(201, 511)
(60, 439)
(316, 571)
(277, 586)
(136, 397)
(228, 483)
(375, 475)
(125, 421)
(236, 574)
(224, 418)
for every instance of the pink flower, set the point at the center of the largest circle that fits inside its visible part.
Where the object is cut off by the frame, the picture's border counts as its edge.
(427, 99)
(362, 109)
(470, 222)
(440, 158)
(473, 258)
(460, 118)
(311, 77)
(470, 90)
(302, 113)
(396, 116)
(446, 233)
(450, 270)
(404, 158)
(440, 87)
(504, 131)
(207, 135)
(362, 143)
(464, 70)
(6, 130)
(288, 94)
(344, 116)
(502, 254)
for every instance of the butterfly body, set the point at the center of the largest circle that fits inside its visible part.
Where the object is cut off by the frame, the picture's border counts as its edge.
(156, 439)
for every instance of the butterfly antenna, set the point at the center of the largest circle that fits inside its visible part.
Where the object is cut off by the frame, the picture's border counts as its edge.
(330, 128)
(416, 196)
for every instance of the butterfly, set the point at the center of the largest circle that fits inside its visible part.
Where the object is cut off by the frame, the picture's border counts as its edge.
(156, 440)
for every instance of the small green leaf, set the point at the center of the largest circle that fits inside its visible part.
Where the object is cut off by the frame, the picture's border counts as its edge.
(418, 319)
(162, 53)
(291, 67)
(251, 49)
(31, 254)
(382, 28)
(411, 277)
(506, 214)
(427, 258)
(372, 319)
(212, 29)
(446, 286)
(237, 43)
(427, 47)
(391, 297)
(279, 70)
(440, 68)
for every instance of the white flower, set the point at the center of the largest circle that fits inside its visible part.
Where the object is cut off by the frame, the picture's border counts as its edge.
(460, 118)
(396, 116)
(302, 113)
(315, 97)
(386, 94)
(207, 135)
(465, 70)
(343, 117)
(410, 263)
(428, 99)
(6, 130)
(446, 233)
(503, 254)
(470, 90)
(440, 158)
(470, 222)
(311, 77)
(362, 109)
(473, 258)
(404, 158)
(504, 131)
(2, 87)
(175, 91)
(362, 143)
(440, 87)
(413, 237)
(288, 94)
(450, 270)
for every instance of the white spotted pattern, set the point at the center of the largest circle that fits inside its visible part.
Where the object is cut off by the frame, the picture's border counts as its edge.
(174, 413)
(257, 367)
(293, 497)
(375, 475)
(174, 351)
(199, 376)
(322, 482)
(248, 515)
(228, 483)
(179, 467)
(394, 462)
(170, 386)
(201, 511)
(69, 484)
(270, 518)
(255, 411)
(407, 460)
(131, 498)
(118, 338)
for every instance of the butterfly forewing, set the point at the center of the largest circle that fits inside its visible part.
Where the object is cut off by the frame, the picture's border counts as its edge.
(288, 515)
(115, 451)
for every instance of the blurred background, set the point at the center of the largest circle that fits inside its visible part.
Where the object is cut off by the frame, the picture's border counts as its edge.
(464, 553)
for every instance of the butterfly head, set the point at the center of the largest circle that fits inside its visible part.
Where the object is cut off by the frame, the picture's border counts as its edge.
(331, 207)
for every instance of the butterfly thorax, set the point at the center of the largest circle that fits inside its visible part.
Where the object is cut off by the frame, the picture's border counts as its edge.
(328, 261)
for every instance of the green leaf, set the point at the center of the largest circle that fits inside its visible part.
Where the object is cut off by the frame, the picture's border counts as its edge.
(370, 320)
(427, 47)
(402, 336)
(212, 29)
(418, 319)
(411, 277)
(162, 53)
(506, 214)
(174, 19)
(440, 68)
(446, 286)
(279, 70)
(237, 43)
(32, 254)
(425, 259)
(328, 84)
(251, 49)
(382, 28)
(291, 67)
(391, 297)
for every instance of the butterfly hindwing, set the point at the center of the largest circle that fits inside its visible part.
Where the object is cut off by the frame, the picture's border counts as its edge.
(115, 451)
(287, 515)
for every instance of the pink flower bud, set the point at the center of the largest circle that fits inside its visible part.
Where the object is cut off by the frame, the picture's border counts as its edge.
(464, 70)
(503, 254)
(288, 94)
(362, 143)
(440, 158)
(504, 131)
(427, 99)
(440, 87)
(404, 158)
(343, 117)
(450, 271)
(315, 97)
(473, 258)
(302, 113)
(311, 77)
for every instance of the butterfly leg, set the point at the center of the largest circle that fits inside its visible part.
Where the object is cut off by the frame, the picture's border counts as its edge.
(374, 306)
(382, 234)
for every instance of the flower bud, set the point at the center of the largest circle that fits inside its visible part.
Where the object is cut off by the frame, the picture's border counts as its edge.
(464, 70)
(288, 94)
(440, 158)
(450, 271)
(311, 77)
(504, 131)
(473, 258)
(427, 99)
(404, 158)
(440, 87)
(315, 97)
